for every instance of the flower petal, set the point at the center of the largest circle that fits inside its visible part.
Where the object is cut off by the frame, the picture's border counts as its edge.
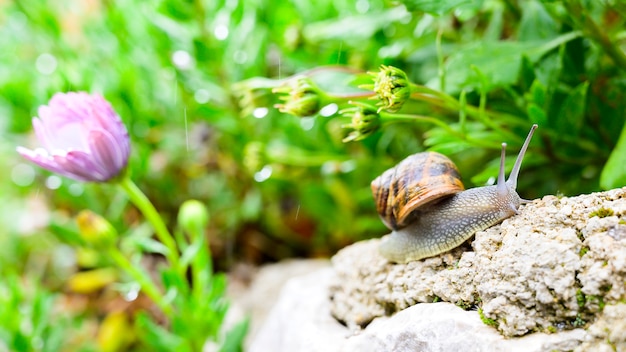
(48, 162)
(82, 166)
(107, 152)
(83, 137)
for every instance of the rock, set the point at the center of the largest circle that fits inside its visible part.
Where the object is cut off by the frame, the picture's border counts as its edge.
(301, 321)
(608, 333)
(549, 279)
(254, 291)
(446, 327)
(550, 268)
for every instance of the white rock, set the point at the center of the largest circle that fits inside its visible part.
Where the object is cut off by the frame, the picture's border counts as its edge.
(301, 321)
(552, 268)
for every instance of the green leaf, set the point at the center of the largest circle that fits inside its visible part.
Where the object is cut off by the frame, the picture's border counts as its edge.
(536, 23)
(151, 245)
(440, 7)
(538, 93)
(499, 62)
(158, 338)
(536, 98)
(527, 73)
(572, 113)
(234, 337)
(172, 280)
(536, 114)
(614, 172)
(190, 253)
(354, 29)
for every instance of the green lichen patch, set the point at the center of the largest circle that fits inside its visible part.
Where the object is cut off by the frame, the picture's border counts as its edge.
(583, 251)
(485, 320)
(579, 321)
(464, 305)
(580, 298)
(602, 213)
(599, 300)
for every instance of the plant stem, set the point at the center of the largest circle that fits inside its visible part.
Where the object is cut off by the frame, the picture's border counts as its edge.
(342, 97)
(201, 265)
(147, 209)
(442, 124)
(441, 71)
(486, 117)
(142, 278)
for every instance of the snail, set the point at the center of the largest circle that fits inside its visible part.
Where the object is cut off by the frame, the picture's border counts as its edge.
(423, 202)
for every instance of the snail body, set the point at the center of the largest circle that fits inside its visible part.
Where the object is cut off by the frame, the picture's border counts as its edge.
(423, 202)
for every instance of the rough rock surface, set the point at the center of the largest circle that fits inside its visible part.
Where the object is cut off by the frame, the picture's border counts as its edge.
(301, 321)
(608, 333)
(551, 268)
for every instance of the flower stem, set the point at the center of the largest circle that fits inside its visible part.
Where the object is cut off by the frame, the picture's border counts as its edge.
(481, 114)
(406, 117)
(142, 278)
(147, 209)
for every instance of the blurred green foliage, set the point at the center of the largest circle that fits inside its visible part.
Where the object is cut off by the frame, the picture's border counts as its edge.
(179, 74)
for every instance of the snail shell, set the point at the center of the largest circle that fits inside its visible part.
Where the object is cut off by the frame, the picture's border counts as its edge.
(423, 202)
(414, 182)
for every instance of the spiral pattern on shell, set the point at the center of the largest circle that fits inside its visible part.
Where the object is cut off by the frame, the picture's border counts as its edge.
(417, 180)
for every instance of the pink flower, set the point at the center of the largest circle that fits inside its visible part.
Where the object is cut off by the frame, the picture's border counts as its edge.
(81, 136)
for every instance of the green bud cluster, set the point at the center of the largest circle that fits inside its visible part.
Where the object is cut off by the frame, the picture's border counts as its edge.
(301, 97)
(365, 120)
(392, 88)
(254, 93)
(254, 157)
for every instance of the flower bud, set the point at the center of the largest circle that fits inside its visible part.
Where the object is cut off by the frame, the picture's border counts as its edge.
(365, 121)
(92, 280)
(115, 333)
(254, 93)
(254, 157)
(95, 230)
(392, 87)
(301, 97)
(193, 216)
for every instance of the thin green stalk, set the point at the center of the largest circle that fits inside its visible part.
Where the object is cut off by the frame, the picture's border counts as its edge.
(295, 157)
(201, 267)
(463, 111)
(441, 71)
(147, 209)
(343, 97)
(389, 118)
(475, 113)
(449, 102)
(146, 284)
